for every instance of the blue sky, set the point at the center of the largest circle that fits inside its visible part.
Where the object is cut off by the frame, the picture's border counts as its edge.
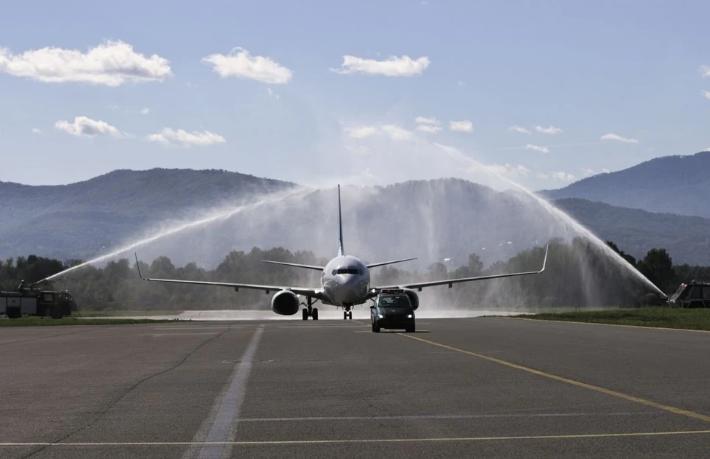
(542, 92)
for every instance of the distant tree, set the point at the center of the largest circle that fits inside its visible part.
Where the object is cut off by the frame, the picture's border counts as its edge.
(657, 265)
(437, 270)
(623, 254)
(473, 268)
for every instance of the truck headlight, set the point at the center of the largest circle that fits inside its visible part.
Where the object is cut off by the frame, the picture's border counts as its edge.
(380, 316)
(409, 316)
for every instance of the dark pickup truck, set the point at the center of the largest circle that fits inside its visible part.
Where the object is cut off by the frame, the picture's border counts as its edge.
(392, 310)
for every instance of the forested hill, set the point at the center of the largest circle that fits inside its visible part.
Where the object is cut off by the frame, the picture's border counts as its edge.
(80, 219)
(687, 239)
(671, 184)
(431, 220)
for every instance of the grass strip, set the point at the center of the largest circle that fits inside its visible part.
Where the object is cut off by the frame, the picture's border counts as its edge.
(31, 321)
(682, 318)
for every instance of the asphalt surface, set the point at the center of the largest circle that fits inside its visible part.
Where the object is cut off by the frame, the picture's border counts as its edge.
(458, 387)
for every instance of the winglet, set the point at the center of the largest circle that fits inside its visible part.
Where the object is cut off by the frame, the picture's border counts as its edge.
(544, 260)
(138, 267)
(341, 249)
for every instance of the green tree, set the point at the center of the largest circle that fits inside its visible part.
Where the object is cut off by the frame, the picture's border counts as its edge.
(657, 265)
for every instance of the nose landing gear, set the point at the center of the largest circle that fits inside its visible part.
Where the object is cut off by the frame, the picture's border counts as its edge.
(347, 313)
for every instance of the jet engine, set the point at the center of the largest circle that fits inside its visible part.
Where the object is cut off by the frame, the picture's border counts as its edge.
(285, 302)
(413, 297)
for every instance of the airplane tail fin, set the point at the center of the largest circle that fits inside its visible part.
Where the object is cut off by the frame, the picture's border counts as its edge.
(341, 249)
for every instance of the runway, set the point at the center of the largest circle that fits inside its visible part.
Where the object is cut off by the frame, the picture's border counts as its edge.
(499, 387)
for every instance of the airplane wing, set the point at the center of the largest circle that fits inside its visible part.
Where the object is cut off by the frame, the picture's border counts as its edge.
(450, 282)
(295, 265)
(390, 262)
(315, 293)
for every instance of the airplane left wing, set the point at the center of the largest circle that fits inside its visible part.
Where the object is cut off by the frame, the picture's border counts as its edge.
(304, 291)
(450, 282)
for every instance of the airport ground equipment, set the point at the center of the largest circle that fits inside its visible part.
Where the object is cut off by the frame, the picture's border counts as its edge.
(392, 309)
(35, 302)
(691, 295)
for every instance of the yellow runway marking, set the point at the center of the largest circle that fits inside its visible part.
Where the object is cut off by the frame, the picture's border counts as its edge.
(573, 382)
(363, 440)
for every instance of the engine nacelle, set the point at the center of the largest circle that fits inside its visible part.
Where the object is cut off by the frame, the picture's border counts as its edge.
(285, 302)
(413, 297)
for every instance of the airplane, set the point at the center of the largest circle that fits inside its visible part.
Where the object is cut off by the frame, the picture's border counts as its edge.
(345, 282)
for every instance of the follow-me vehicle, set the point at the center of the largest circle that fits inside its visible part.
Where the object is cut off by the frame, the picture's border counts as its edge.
(392, 309)
(345, 282)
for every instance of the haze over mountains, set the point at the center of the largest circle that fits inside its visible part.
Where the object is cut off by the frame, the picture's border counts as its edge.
(671, 184)
(447, 218)
(82, 219)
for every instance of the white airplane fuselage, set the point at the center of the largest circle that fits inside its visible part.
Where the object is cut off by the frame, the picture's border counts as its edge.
(345, 281)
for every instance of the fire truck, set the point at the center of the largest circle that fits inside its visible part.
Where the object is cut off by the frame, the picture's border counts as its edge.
(35, 302)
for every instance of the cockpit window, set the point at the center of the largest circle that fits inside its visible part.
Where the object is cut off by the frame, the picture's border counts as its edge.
(394, 302)
(346, 271)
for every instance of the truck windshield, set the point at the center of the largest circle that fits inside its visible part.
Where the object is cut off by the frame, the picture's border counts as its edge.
(394, 302)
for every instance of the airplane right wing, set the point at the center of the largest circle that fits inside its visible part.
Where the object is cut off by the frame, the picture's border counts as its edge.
(450, 282)
(304, 291)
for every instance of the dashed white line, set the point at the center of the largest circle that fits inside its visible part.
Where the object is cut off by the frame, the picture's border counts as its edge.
(220, 426)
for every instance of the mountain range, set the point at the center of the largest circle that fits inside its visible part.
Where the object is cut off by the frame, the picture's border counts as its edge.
(671, 184)
(433, 220)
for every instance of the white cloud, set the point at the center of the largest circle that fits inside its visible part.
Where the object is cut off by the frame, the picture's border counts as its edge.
(145, 111)
(37, 131)
(182, 138)
(509, 170)
(428, 125)
(563, 176)
(361, 132)
(617, 138)
(392, 131)
(240, 63)
(273, 94)
(393, 66)
(396, 133)
(461, 126)
(112, 63)
(538, 148)
(519, 129)
(83, 126)
(706, 94)
(705, 71)
(549, 130)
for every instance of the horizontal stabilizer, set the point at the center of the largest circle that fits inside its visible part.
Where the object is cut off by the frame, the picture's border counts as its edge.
(295, 265)
(390, 262)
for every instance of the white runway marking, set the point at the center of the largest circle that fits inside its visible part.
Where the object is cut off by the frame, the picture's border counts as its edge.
(158, 335)
(219, 445)
(221, 425)
(445, 416)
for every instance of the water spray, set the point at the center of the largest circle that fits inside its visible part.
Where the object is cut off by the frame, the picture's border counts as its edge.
(557, 213)
(219, 215)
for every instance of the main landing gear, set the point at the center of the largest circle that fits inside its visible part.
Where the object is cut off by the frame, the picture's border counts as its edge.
(309, 311)
(347, 313)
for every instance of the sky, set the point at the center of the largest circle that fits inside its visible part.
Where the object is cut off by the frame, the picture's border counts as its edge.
(542, 93)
